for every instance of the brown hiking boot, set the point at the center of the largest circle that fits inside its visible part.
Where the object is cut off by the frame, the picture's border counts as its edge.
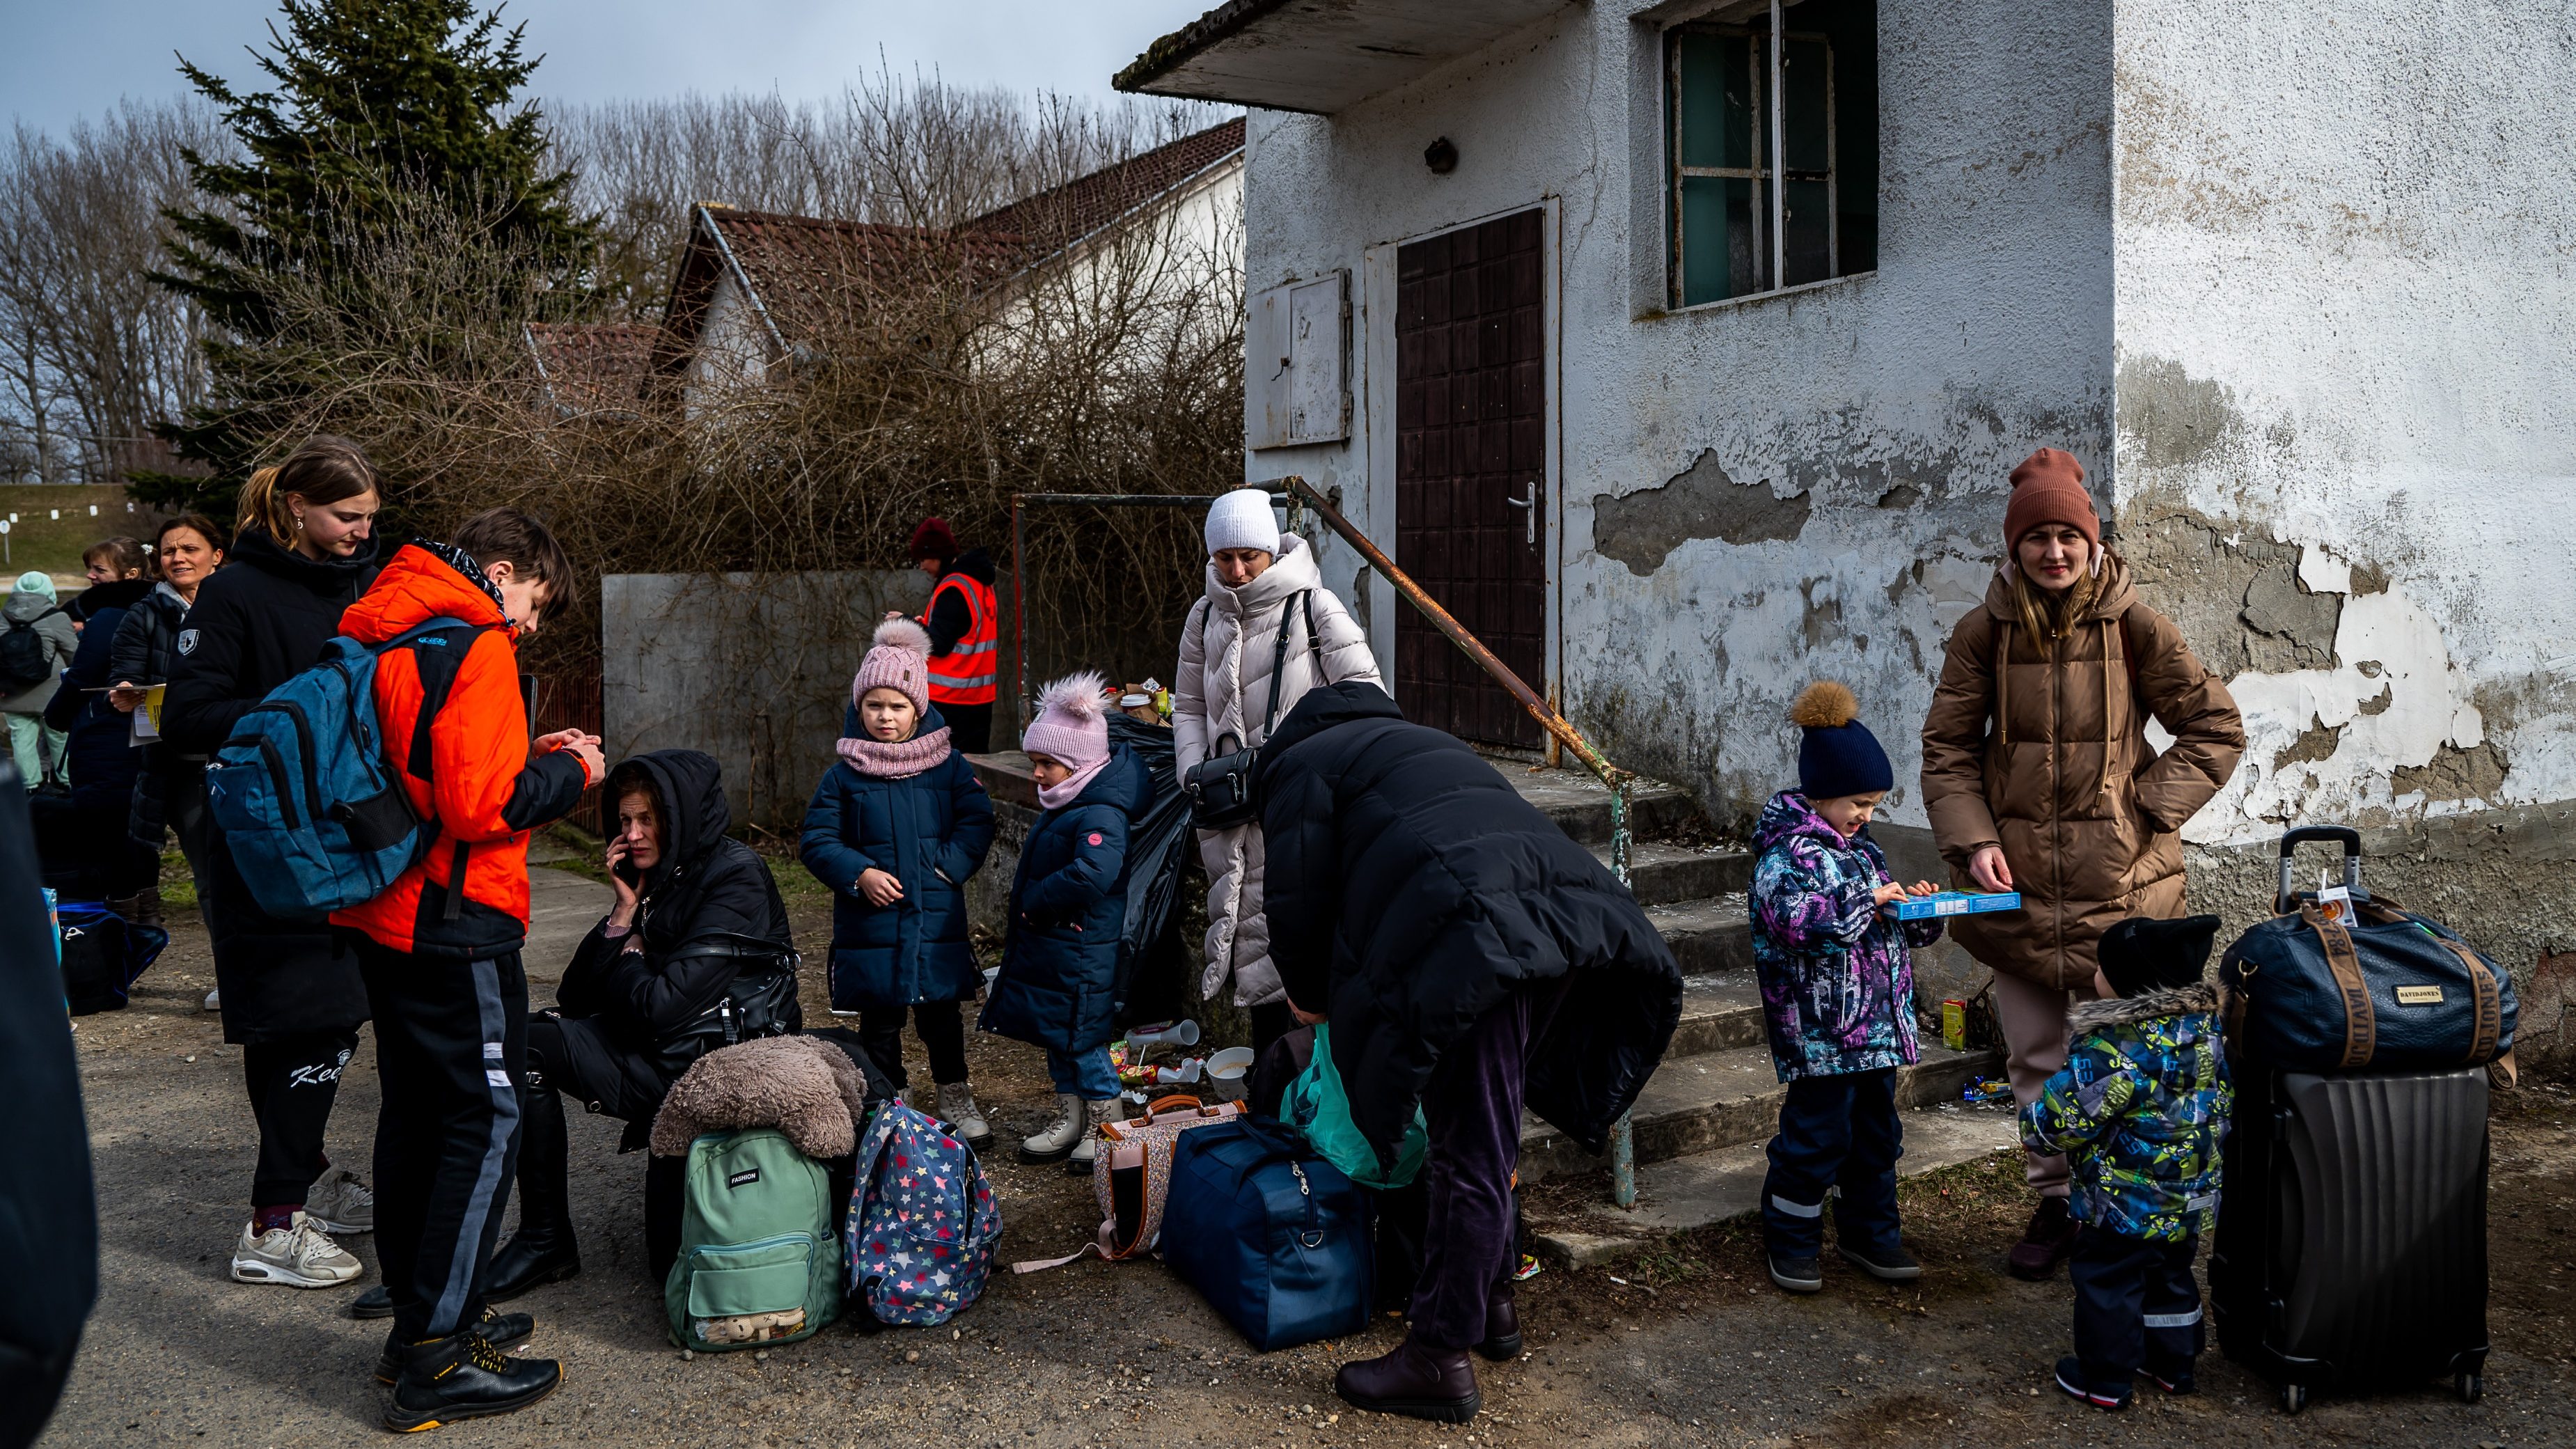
(2045, 1243)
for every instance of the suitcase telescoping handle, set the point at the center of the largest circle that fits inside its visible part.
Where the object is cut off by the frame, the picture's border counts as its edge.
(2287, 902)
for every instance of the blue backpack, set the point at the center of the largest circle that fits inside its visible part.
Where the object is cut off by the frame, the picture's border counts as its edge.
(922, 1220)
(311, 808)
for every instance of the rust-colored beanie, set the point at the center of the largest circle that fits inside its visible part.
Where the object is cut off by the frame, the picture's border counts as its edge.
(2048, 487)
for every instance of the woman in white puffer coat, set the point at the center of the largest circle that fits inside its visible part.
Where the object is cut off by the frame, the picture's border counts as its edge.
(1254, 577)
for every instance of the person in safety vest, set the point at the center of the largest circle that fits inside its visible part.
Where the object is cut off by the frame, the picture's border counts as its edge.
(964, 622)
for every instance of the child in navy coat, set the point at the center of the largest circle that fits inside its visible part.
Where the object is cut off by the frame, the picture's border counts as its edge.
(895, 830)
(1059, 981)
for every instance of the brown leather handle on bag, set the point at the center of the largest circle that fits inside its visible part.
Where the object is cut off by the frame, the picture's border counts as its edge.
(1155, 1107)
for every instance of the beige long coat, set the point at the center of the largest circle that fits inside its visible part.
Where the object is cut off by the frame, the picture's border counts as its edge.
(1224, 688)
(2047, 756)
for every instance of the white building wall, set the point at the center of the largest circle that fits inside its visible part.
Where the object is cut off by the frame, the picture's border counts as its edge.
(1853, 439)
(2346, 289)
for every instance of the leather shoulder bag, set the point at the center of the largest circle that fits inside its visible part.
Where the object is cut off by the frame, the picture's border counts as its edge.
(1220, 786)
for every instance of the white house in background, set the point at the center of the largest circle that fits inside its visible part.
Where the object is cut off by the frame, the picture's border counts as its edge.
(1688, 345)
(753, 289)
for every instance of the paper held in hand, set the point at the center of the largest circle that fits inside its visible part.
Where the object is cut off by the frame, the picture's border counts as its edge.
(1952, 903)
(147, 715)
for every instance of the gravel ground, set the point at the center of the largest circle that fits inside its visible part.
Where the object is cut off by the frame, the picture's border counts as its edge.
(1694, 1347)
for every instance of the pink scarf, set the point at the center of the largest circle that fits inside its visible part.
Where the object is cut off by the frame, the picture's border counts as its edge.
(894, 759)
(1058, 796)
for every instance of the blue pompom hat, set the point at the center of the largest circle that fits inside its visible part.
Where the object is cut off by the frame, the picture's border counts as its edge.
(1837, 755)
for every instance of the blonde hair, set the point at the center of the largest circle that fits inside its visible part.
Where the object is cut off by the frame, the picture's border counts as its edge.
(325, 470)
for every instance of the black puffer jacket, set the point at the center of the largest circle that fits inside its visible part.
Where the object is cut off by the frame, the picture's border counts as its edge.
(1410, 887)
(709, 907)
(259, 621)
(146, 642)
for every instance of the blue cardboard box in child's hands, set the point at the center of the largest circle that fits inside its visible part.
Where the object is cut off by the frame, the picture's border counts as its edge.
(1953, 903)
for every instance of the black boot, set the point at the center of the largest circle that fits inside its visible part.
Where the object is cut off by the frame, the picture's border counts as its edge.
(542, 1250)
(501, 1330)
(1502, 1326)
(464, 1377)
(1414, 1380)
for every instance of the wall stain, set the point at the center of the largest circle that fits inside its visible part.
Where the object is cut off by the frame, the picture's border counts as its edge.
(1642, 529)
(2316, 742)
(2241, 605)
(2175, 418)
(2455, 774)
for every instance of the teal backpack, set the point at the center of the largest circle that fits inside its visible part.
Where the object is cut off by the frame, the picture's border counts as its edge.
(760, 1254)
(1316, 1105)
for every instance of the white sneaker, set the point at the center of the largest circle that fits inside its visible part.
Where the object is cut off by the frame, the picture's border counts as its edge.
(302, 1256)
(957, 1109)
(338, 1202)
(215, 1000)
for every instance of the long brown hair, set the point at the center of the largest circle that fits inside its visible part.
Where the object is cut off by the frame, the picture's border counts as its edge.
(325, 470)
(2048, 617)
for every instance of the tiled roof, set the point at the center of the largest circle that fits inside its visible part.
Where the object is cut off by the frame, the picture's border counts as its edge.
(800, 269)
(591, 366)
(1053, 220)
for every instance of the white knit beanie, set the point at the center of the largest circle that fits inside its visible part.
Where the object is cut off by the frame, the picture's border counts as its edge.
(1242, 519)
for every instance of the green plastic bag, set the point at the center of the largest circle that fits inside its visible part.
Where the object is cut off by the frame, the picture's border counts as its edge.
(1316, 1105)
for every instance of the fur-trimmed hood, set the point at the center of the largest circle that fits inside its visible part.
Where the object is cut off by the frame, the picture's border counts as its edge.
(2198, 999)
(806, 1088)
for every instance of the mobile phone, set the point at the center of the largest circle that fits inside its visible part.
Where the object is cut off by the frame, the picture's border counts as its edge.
(625, 870)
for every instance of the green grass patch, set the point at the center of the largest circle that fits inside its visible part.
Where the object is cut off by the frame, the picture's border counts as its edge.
(52, 523)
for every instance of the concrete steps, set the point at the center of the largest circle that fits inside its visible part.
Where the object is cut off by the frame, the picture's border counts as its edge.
(1700, 1125)
(1725, 1098)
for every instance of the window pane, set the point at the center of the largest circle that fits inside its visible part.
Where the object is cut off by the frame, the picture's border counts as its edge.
(1721, 258)
(1699, 95)
(1805, 68)
(1807, 231)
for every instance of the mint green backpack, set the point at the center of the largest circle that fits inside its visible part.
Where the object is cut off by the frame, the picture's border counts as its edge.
(760, 1253)
(1315, 1104)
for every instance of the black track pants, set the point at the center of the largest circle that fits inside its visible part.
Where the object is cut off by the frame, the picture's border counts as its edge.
(450, 1047)
(293, 1081)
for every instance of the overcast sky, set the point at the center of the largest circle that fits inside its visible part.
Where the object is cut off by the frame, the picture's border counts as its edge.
(66, 58)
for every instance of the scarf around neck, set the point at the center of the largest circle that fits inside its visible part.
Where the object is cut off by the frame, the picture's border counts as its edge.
(893, 759)
(1058, 796)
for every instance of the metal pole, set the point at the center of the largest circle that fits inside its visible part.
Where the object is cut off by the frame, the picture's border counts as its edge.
(1019, 613)
(1554, 723)
(1623, 1138)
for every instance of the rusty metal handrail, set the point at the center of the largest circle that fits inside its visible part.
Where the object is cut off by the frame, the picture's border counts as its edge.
(1623, 1154)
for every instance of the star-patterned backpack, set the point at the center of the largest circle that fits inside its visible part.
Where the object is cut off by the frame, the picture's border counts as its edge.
(922, 1220)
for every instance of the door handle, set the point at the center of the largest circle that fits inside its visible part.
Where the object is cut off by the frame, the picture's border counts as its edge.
(1529, 516)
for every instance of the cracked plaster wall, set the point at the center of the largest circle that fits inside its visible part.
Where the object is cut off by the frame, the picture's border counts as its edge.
(1749, 495)
(2346, 456)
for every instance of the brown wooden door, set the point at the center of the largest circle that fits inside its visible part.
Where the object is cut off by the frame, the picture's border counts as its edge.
(1470, 473)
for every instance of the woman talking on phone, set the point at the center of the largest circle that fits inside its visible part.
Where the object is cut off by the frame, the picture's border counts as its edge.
(695, 953)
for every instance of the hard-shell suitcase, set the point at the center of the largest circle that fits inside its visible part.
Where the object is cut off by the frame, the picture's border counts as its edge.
(2352, 1233)
(2351, 1251)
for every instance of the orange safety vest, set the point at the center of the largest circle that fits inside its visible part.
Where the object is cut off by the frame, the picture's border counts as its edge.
(968, 672)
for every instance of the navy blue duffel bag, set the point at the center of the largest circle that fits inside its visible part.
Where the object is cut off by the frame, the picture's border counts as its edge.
(1272, 1235)
(2387, 990)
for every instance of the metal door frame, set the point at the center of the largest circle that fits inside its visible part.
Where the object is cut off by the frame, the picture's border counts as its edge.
(1376, 322)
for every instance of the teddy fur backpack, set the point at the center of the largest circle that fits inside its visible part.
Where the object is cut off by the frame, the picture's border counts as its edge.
(760, 1235)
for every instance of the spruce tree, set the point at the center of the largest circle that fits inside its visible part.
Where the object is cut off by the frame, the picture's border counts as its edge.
(379, 109)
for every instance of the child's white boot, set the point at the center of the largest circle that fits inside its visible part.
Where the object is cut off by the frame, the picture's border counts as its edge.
(1052, 1144)
(1096, 1115)
(957, 1109)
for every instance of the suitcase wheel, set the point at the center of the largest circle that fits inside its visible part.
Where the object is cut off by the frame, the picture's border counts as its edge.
(2294, 1397)
(2471, 1387)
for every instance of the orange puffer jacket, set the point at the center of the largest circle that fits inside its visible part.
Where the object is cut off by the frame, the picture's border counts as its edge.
(468, 773)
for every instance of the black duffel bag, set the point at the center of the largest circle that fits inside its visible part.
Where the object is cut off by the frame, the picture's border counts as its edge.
(2387, 990)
